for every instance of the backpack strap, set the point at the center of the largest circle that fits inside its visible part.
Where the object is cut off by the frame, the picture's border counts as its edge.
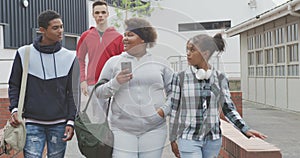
(23, 82)
(102, 81)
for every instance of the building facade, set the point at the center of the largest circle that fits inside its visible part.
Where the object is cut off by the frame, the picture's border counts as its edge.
(269, 50)
(18, 26)
(177, 21)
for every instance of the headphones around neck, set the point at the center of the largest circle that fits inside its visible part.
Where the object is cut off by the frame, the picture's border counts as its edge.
(201, 74)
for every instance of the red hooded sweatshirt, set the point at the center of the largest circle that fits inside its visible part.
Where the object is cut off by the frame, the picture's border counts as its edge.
(99, 50)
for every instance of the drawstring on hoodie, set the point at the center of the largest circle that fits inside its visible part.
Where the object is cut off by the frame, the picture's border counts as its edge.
(54, 65)
(42, 65)
(54, 62)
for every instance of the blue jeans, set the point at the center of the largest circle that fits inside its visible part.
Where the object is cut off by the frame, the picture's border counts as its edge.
(199, 149)
(38, 135)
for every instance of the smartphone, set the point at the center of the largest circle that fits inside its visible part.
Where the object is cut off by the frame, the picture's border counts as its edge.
(126, 65)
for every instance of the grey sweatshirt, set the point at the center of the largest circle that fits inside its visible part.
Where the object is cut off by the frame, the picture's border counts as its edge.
(134, 104)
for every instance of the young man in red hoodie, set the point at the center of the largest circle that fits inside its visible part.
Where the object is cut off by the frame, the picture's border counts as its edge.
(99, 43)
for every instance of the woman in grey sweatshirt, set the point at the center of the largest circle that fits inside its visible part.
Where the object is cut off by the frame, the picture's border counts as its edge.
(139, 92)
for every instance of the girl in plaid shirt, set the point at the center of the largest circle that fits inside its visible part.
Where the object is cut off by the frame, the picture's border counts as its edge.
(197, 95)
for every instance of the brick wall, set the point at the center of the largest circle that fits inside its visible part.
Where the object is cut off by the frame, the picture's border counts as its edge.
(236, 145)
(4, 113)
(4, 103)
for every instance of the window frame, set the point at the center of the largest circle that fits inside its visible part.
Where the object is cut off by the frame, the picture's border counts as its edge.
(280, 47)
(208, 25)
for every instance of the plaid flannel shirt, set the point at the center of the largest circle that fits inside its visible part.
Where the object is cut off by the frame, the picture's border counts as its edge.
(195, 106)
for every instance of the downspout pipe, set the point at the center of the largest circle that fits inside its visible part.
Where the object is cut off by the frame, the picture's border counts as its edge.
(291, 12)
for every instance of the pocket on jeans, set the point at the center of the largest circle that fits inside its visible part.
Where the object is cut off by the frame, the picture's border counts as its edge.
(186, 145)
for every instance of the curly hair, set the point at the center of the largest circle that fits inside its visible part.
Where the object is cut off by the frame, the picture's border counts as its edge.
(46, 16)
(143, 29)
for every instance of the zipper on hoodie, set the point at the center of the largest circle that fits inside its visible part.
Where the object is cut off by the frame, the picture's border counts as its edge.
(100, 35)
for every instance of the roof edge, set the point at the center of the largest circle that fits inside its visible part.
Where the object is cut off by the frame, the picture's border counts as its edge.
(270, 15)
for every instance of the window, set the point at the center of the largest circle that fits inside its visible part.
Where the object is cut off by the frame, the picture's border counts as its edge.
(279, 36)
(215, 25)
(268, 39)
(70, 42)
(280, 56)
(293, 53)
(274, 52)
(260, 58)
(250, 42)
(293, 70)
(251, 63)
(292, 32)
(260, 63)
(190, 27)
(280, 70)
(269, 71)
(293, 59)
(269, 62)
(251, 58)
(258, 41)
(269, 56)
(280, 59)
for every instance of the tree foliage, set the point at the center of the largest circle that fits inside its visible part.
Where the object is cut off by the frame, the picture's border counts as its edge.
(125, 9)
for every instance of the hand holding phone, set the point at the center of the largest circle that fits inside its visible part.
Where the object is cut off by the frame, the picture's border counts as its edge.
(126, 65)
(125, 76)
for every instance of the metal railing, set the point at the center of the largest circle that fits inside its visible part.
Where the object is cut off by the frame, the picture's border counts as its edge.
(179, 63)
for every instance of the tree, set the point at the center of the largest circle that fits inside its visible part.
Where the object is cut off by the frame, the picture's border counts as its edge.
(131, 8)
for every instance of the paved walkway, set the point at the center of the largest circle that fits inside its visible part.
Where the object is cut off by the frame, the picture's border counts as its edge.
(281, 126)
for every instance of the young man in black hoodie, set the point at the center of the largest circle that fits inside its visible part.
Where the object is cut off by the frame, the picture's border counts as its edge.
(52, 93)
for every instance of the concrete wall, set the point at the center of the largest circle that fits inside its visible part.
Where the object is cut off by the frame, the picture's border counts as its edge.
(270, 91)
(293, 99)
(6, 60)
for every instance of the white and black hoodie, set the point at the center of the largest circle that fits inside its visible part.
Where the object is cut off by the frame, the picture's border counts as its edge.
(53, 86)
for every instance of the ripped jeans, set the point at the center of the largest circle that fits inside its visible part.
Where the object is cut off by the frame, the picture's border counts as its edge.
(36, 137)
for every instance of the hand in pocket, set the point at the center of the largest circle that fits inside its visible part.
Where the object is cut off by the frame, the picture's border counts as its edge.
(160, 112)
